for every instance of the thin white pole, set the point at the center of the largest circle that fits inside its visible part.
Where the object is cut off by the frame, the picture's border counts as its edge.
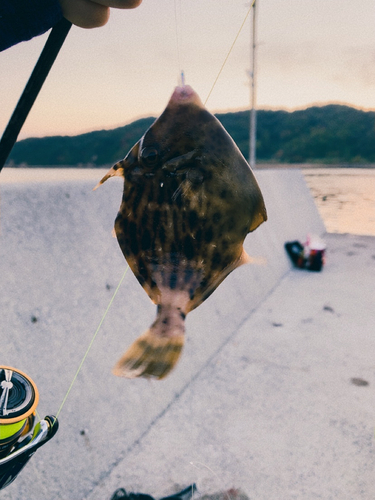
(253, 121)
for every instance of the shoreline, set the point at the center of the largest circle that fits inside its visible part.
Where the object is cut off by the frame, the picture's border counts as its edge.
(56, 173)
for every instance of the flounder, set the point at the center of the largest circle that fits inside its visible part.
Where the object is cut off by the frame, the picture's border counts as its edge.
(189, 200)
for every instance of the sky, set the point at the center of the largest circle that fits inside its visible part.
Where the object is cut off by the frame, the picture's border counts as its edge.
(308, 52)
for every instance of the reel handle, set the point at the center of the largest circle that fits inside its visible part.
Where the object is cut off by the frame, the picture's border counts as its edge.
(11, 465)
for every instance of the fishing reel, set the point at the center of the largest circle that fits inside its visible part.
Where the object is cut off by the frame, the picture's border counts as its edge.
(20, 434)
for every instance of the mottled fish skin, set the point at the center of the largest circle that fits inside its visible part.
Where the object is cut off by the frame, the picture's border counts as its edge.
(189, 200)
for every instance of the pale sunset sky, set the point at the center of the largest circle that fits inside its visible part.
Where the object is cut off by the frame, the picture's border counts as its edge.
(309, 52)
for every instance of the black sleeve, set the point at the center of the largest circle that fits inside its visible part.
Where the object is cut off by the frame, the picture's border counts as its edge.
(22, 20)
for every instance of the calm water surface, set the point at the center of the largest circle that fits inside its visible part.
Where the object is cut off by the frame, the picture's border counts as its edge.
(345, 198)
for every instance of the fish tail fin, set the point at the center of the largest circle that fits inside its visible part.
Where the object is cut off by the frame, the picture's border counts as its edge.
(155, 353)
(116, 170)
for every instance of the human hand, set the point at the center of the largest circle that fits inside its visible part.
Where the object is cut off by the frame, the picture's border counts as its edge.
(93, 13)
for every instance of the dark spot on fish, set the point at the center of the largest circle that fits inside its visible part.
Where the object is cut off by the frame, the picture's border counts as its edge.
(123, 222)
(328, 308)
(223, 194)
(360, 382)
(225, 245)
(161, 234)
(173, 281)
(134, 246)
(208, 235)
(188, 246)
(204, 283)
(165, 321)
(135, 175)
(176, 227)
(156, 221)
(141, 279)
(146, 240)
(173, 248)
(188, 274)
(231, 224)
(144, 219)
(174, 184)
(137, 201)
(108, 287)
(277, 324)
(175, 259)
(34, 319)
(142, 268)
(216, 259)
(161, 195)
(216, 217)
(67, 195)
(193, 219)
(132, 233)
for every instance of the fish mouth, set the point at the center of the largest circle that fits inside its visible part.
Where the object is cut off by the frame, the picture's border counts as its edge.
(185, 95)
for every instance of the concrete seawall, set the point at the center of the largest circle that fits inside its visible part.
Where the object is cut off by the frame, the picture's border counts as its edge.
(59, 267)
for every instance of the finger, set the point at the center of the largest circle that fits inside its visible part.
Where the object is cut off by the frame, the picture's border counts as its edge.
(120, 4)
(85, 13)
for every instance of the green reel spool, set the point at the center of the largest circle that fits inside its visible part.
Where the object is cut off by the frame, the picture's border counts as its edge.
(19, 398)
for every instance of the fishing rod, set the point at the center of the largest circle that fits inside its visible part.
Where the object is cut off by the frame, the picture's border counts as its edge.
(32, 88)
(19, 437)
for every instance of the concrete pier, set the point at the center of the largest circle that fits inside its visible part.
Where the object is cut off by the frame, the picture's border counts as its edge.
(274, 392)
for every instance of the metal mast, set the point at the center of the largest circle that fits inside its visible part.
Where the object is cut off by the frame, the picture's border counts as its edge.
(253, 121)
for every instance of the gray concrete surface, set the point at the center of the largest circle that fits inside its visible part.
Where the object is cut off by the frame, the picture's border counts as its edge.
(262, 398)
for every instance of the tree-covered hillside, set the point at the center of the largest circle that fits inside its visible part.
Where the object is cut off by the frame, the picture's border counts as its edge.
(327, 134)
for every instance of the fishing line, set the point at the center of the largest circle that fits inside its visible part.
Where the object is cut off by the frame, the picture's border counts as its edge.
(92, 341)
(126, 270)
(177, 18)
(230, 50)
(177, 37)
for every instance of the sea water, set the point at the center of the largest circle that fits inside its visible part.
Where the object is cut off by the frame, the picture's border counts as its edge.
(345, 198)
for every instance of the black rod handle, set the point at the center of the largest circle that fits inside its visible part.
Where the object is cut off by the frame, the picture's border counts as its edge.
(33, 86)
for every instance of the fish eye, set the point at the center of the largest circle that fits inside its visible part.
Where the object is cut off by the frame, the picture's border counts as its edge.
(150, 156)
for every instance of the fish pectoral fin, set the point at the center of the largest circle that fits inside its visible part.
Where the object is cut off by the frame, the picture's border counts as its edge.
(116, 170)
(151, 355)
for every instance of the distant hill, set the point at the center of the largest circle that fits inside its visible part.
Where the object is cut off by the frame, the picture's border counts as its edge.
(327, 134)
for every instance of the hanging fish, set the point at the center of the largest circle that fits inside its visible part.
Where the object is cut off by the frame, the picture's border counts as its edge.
(189, 200)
